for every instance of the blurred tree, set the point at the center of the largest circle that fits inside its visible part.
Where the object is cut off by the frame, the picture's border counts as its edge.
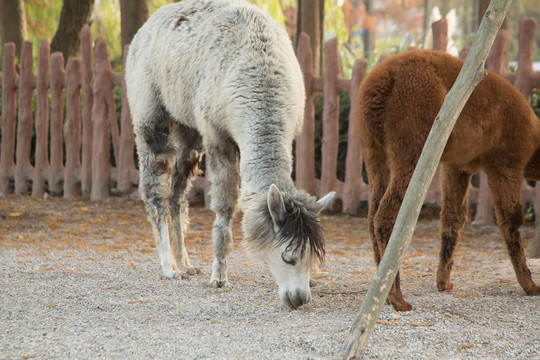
(13, 23)
(425, 21)
(133, 14)
(310, 20)
(75, 14)
(369, 31)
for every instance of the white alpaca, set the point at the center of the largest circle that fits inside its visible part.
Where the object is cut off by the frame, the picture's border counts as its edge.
(222, 76)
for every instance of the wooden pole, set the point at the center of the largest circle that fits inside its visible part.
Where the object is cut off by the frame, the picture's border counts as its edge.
(471, 74)
(305, 148)
(330, 140)
(127, 174)
(102, 85)
(56, 169)
(354, 186)
(41, 165)
(72, 129)
(535, 247)
(27, 81)
(87, 104)
(9, 111)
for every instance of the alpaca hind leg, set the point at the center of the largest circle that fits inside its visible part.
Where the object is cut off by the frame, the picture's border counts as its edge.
(455, 184)
(190, 150)
(505, 185)
(383, 223)
(378, 176)
(222, 161)
(156, 158)
(402, 169)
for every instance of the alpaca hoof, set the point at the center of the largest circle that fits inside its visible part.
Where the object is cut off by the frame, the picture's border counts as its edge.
(183, 273)
(445, 286)
(533, 290)
(172, 274)
(219, 284)
(399, 304)
(402, 306)
(192, 271)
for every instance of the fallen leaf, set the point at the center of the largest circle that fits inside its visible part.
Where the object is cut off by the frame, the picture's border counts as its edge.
(390, 322)
(422, 324)
(34, 355)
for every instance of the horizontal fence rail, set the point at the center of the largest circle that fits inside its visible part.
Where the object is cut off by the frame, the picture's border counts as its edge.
(91, 152)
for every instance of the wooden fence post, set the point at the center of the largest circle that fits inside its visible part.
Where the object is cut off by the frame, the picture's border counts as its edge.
(9, 110)
(102, 83)
(72, 129)
(440, 34)
(127, 173)
(526, 78)
(354, 187)
(330, 140)
(87, 99)
(305, 147)
(41, 165)
(535, 248)
(27, 83)
(56, 169)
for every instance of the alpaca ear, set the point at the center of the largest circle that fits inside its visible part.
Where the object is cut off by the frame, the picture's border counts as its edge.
(276, 205)
(325, 201)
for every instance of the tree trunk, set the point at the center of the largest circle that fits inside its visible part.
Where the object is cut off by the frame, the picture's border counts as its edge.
(425, 23)
(74, 15)
(310, 20)
(133, 14)
(13, 23)
(482, 7)
(369, 34)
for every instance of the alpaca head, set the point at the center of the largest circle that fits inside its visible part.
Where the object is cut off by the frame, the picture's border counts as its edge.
(284, 230)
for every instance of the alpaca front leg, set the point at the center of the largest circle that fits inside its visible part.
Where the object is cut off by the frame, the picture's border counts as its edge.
(187, 167)
(153, 188)
(179, 226)
(222, 239)
(223, 174)
(505, 189)
(166, 256)
(156, 158)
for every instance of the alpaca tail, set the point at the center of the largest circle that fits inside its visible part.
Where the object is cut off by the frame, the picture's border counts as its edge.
(373, 96)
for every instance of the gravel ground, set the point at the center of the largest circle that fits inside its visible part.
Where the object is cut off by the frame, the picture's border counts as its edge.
(81, 280)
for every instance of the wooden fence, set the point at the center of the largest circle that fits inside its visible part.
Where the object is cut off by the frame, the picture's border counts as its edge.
(91, 127)
(85, 135)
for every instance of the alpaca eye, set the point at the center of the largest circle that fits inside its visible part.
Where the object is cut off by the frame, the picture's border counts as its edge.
(288, 260)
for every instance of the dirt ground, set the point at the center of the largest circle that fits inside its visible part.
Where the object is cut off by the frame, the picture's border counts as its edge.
(81, 279)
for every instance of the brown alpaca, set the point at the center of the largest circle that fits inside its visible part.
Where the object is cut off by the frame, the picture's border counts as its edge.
(496, 132)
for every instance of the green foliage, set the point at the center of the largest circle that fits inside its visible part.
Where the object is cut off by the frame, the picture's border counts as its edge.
(38, 29)
(535, 102)
(334, 27)
(273, 8)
